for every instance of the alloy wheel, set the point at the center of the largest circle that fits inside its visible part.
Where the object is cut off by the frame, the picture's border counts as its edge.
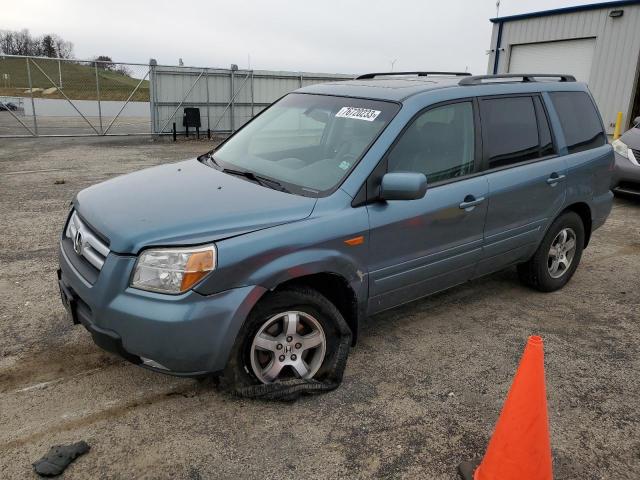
(561, 252)
(291, 344)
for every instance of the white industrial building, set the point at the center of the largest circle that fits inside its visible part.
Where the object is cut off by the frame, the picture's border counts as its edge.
(598, 44)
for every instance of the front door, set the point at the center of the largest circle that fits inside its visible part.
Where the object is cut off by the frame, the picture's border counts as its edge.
(418, 247)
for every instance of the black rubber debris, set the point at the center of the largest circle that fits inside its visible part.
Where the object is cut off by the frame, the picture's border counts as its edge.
(59, 457)
(291, 390)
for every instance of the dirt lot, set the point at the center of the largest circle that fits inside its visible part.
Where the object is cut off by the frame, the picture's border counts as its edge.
(422, 389)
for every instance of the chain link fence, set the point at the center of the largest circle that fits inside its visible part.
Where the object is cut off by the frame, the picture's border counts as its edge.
(63, 97)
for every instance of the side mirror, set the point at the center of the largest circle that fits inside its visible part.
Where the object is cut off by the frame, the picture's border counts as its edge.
(403, 186)
(636, 121)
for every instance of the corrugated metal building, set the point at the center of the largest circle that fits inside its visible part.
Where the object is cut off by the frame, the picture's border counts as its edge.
(598, 43)
(227, 98)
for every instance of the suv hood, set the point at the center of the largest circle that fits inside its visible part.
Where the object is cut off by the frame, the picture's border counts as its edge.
(183, 203)
(632, 138)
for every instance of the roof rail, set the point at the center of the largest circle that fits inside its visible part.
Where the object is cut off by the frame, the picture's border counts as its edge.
(368, 76)
(526, 77)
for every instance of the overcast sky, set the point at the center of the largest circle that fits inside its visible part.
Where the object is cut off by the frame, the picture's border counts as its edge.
(336, 36)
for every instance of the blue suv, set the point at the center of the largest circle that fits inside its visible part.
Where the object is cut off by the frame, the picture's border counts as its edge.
(336, 202)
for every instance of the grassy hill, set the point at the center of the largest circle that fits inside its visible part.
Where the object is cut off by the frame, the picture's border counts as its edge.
(78, 80)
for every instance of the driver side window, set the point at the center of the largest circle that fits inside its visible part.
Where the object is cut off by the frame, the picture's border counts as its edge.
(439, 143)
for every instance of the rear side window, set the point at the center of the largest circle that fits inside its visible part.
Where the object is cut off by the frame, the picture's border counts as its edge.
(511, 130)
(579, 119)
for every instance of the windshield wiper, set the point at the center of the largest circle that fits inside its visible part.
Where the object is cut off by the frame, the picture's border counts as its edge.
(259, 179)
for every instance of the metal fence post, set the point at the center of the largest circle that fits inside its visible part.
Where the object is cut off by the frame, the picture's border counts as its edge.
(98, 94)
(60, 73)
(252, 99)
(152, 95)
(300, 80)
(206, 79)
(33, 105)
(231, 101)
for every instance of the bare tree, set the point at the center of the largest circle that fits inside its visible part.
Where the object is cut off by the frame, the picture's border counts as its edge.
(22, 43)
(64, 49)
(7, 41)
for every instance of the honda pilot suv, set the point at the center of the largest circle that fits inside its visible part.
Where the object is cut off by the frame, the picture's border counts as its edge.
(337, 202)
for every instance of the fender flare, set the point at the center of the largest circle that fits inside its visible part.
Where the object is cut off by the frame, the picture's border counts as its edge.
(299, 264)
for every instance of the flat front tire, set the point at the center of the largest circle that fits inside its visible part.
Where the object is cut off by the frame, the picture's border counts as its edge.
(290, 334)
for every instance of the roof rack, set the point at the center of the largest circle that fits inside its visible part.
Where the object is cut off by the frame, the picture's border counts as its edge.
(526, 77)
(368, 76)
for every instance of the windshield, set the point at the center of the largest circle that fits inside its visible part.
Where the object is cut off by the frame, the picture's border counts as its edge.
(307, 143)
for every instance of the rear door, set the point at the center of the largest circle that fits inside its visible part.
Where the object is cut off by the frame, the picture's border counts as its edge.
(421, 246)
(527, 179)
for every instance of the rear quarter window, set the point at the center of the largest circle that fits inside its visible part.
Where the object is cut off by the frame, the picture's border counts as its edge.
(580, 121)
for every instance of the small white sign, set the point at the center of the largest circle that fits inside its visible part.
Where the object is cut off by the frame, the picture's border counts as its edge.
(358, 113)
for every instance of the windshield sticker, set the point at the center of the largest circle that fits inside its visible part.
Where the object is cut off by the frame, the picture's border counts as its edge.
(358, 113)
(344, 165)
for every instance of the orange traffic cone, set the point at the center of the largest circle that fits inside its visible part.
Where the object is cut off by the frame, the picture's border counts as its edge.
(519, 448)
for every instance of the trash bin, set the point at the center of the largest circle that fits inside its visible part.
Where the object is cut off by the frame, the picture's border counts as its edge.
(191, 118)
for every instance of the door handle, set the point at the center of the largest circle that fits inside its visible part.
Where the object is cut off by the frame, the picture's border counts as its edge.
(555, 178)
(471, 201)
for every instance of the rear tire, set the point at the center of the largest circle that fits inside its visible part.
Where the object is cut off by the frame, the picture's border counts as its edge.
(558, 255)
(248, 365)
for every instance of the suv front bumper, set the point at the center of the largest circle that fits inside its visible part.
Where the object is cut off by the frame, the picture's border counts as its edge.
(188, 334)
(626, 175)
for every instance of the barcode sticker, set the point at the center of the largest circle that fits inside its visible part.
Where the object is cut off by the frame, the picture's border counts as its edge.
(358, 113)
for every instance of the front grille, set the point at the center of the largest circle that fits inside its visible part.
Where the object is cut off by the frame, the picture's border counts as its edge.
(636, 156)
(85, 242)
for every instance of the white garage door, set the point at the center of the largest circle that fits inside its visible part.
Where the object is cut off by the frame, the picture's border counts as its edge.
(567, 56)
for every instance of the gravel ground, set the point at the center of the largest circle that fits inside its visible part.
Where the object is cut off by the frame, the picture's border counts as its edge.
(422, 389)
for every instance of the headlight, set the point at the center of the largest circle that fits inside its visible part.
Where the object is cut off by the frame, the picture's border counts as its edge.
(173, 270)
(620, 148)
